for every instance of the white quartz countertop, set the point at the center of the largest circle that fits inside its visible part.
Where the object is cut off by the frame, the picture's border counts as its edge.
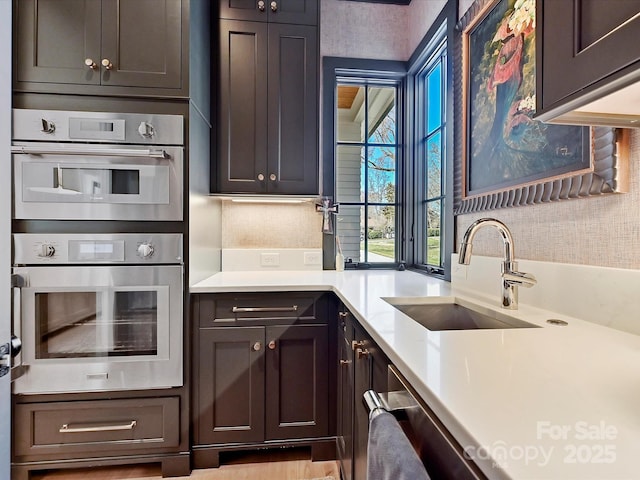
(528, 403)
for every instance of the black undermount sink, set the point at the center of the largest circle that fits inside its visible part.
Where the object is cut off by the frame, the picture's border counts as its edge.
(452, 316)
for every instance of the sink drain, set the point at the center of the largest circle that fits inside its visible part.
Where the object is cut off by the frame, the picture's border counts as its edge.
(556, 322)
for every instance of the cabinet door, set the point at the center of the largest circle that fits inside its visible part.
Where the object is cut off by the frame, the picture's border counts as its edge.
(303, 12)
(231, 385)
(293, 112)
(143, 42)
(297, 381)
(345, 406)
(592, 39)
(362, 381)
(242, 156)
(54, 38)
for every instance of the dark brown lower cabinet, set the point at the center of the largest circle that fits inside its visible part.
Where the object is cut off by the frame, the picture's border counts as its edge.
(261, 381)
(345, 398)
(365, 369)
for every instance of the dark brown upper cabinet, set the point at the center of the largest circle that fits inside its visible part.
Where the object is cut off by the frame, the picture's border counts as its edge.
(301, 12)
(102, 47)
(268, 109)
(587, 61)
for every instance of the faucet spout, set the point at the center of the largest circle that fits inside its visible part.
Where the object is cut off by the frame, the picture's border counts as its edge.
(510, 278)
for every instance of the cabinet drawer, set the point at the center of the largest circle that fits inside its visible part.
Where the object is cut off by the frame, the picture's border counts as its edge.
(256, 309)
(88, 426)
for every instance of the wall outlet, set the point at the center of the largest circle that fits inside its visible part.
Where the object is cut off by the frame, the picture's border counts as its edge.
(312, 258)
(269, 259)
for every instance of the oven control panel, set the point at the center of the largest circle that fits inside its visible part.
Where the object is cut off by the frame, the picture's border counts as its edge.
(75, 249)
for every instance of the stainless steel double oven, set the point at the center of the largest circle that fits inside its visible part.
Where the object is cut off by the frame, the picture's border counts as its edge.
(98, 311)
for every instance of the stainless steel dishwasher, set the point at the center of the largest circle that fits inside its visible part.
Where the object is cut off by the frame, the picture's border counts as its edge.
(441, 454)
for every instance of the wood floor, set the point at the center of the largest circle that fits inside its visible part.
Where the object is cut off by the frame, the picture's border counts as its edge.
(247, 468)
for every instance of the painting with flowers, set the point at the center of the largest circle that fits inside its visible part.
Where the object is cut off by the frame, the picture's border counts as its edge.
(504, 145)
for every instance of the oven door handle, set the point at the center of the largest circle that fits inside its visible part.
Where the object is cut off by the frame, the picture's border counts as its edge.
(108, 152)
(17, 283)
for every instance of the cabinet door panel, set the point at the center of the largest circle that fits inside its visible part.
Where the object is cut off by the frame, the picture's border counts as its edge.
(243, 106)
(54, 38)
(297, 382)
(231, 385)
(345, 406)
(589, 38)
(293, 109)
(142, 39)
(243, 10)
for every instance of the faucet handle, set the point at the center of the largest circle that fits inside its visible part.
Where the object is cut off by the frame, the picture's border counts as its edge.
(519, 279)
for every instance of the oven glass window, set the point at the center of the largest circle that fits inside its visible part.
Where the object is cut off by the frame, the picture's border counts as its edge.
(94, 181)
(95, 324)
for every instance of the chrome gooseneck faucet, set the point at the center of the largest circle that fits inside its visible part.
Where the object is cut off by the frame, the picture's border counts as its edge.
(511, 278)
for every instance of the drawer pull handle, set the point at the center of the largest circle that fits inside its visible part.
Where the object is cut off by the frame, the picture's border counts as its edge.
(98, 428)
(292, 308)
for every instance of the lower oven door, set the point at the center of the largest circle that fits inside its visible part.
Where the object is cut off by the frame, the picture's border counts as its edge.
(95, 328)
(97, 182)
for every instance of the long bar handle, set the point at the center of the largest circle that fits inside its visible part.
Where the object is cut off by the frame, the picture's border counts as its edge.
(17, 283)
(101, 428)
(292, 308)
(106, 152)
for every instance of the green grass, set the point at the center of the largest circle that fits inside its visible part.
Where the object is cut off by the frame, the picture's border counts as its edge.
(382, 246)
(387, 248)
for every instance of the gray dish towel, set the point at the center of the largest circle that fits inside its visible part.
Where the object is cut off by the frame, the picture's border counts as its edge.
(390, 455)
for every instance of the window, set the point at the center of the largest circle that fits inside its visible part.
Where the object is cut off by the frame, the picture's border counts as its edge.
(366, 174)
(363, 158)
(431, 168)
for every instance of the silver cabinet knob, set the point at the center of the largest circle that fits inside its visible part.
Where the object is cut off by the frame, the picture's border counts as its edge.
(272, 345)
(274, 6)
(261, 177)
(106, 63)
(90, 63)
(146, 130)
(261, 5)
(257, 346)
(273, 177)
(145, 250)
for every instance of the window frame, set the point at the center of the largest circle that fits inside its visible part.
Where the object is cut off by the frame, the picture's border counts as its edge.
(376, 73)
(440, 39)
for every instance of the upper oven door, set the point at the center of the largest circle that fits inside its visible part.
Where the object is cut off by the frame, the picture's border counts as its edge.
(97, 182)
(100, 328)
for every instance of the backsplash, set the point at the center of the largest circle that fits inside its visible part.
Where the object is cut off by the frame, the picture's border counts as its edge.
(601, 295)
(271, 225)
(271, 236)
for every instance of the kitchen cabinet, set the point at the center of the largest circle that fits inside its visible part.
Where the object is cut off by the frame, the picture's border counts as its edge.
(302, 12)
(268, 109)
(344, 430)
(83, 430)
(262, 371)
(365, 369)
(102, 47)
(593, 40)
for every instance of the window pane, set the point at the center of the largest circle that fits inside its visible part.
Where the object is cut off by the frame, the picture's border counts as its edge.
(381, 174)
(349, 173)
(350, 231)
(434, 166)
(433, 233)
(381, 241)
(382, 115)
(350, 118)
(434, 98)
